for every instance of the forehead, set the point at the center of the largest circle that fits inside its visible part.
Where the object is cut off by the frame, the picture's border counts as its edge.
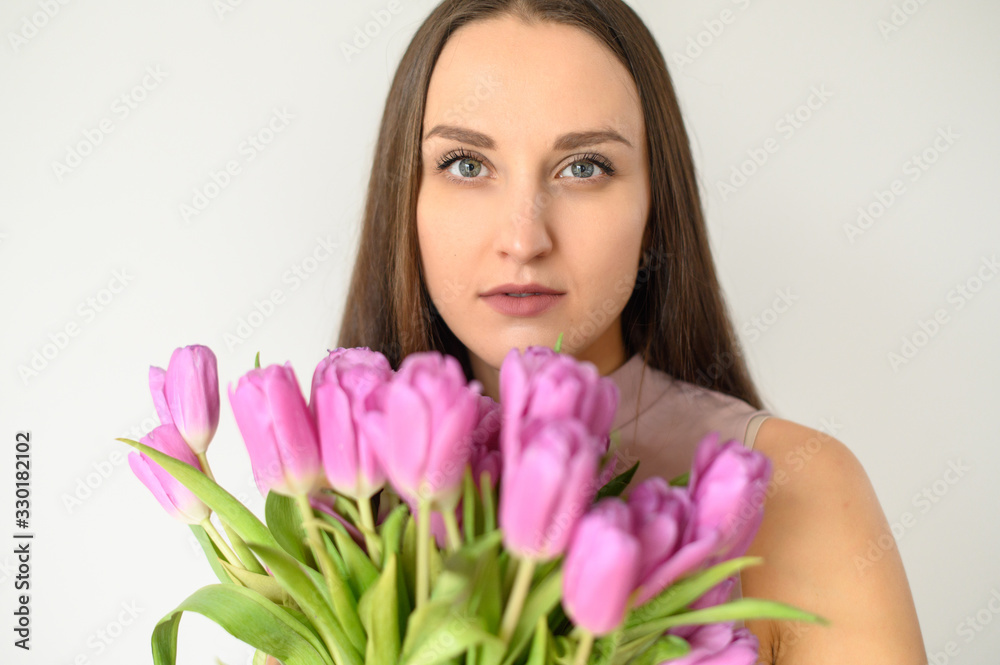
(520, 82)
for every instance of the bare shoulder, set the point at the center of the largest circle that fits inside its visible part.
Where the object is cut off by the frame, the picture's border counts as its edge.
(827, 548)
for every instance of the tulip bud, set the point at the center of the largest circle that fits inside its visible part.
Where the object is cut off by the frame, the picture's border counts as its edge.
(486, 441)
(421, 423)
(664, 524)
(728, 486)
(176, 499)
(341, 385)
(546, 491)
(187, 394)
(717, 643)
(278, 431)
(545, 385)
(599, 572)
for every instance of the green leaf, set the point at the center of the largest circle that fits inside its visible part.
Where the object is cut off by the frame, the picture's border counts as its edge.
(617, 485)
(667, 647)
(682, 593)
(361, 572)
(259, 658)
(345, 648)
(238, 516)
(558, 343)
(265, 585)
(249, 617)
(606, 647)
(256, 361)
(344, 602)
(681, 480)
(443, 631)
(563, 650)
(540, 643)
(242, 551)
(391, 530)
(489, 510)
(285, 522)
(379, 612)
(741, 609)
(470, 500)
(212, 553)
(541, 599)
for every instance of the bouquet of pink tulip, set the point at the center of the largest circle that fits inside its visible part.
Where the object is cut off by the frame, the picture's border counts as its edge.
(412, 520)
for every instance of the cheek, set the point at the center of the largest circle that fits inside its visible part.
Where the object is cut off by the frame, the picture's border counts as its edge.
(606, 245)
(444, 248)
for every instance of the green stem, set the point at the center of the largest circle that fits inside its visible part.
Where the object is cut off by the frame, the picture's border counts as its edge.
(423, 550)
(231, 557)
(313, 537)
(518, 594)
(321, 556)
(372, 540)
(583, 651)
(454, 535)
(247, 558)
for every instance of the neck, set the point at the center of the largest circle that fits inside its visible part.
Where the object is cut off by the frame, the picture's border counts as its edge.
(607, 353)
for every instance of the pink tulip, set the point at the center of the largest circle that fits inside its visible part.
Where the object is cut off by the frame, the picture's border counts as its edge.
(486, 441)
(719, 644)
(542, 384)
(278, 431)
(176, 499)
(187, 394)
(341, 385)
(664, 519)
(544, 494)
(599, 572)
(420, 424)
(728, 484)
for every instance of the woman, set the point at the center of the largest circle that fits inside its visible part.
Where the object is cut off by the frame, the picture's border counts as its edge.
(533, 177)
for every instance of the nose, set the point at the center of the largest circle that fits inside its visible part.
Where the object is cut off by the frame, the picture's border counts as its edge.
(524, 232)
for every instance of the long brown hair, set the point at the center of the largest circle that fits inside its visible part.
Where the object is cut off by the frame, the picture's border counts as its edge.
(676, 317)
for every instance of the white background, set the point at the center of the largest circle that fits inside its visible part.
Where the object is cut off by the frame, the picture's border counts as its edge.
(102, 542)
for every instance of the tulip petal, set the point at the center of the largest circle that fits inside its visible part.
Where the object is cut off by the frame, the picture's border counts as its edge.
(157, 375)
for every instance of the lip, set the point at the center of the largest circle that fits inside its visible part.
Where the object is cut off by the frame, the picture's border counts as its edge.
(524, 305)
(531, 287)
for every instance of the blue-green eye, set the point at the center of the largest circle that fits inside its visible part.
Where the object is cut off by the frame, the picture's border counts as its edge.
(470, 166)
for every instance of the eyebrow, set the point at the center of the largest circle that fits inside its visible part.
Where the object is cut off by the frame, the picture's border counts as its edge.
(569, 141)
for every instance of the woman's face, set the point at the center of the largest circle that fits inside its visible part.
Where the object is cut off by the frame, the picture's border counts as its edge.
(534, 170)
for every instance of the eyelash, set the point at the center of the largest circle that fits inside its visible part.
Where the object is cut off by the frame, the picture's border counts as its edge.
(461, 153)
